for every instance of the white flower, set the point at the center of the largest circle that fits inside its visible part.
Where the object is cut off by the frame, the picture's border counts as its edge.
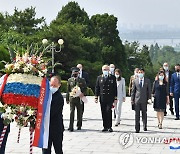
(8, 110)
(17, 66)
(1, 105)
(10, 116)
(44, 71)
(40, 73)
(75, 92)
(26, 69)
(21, 108)
(30, 112)
(29, 66)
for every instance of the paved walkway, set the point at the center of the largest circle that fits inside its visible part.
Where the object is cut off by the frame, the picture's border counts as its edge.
(90, 140)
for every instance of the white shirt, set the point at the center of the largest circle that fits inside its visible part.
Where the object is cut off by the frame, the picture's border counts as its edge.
(80, 74)
(178, 74)
(142, 81)
(167, 74)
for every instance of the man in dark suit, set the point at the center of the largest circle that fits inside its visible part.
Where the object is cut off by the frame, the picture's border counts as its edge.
(3, 146)
(168, 76)
(141, 92)
(85, 75)
(106, 88)
(56, 127)
(74, 81)
(175, 89)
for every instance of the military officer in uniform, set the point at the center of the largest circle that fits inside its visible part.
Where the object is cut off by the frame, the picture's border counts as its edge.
(75, 80)
(106, 88)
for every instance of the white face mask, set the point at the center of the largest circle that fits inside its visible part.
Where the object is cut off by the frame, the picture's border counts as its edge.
(53, 89)
(105, 73)
(165, 68)
(117, 76)
(112, 69)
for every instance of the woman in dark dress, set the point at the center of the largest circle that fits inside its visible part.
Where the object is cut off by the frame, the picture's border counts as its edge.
(161, 96)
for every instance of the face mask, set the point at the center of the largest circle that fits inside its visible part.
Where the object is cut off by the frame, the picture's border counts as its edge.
(161, 78)
(136, 74)
(117, 76)
(53, 89)
(105, 73)
(75, 75)
(112, 69)
(165, 68)
(140, 75)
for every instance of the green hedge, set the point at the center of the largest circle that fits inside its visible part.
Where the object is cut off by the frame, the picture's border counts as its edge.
(63, 86)
(89, 91)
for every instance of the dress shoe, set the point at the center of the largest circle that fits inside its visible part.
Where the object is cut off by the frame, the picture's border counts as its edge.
(104, 130)
(110, 130)
(116, 125)
(70, 129)
(165, 114)
(176, 118)
(79, 128)
(145, 129)
(137, 131)
(172, 112)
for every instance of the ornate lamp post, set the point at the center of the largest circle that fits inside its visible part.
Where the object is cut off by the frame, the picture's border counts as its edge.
(52, 48)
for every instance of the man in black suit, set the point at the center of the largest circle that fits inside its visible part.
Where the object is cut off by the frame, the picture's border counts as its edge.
(168, 76)
(85, 75)
(3, 146)
(56, 127)
(106, 88)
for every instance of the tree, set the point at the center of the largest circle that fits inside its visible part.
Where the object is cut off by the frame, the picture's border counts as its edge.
(25, 21)
(112, 50)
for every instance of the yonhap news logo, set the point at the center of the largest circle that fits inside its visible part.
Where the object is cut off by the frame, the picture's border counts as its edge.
(126, 140)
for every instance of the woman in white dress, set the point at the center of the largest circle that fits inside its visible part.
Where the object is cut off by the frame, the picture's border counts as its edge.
(121, 95)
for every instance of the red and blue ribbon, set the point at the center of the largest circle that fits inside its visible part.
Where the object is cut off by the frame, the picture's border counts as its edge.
(43, 116)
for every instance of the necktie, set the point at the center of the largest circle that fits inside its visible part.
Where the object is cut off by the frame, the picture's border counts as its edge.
(141, 83)
(178, 76)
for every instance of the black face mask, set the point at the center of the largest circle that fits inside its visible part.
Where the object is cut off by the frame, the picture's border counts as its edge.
(75, 75)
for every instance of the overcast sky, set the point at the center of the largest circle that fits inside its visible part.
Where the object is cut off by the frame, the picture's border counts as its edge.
(136, 12)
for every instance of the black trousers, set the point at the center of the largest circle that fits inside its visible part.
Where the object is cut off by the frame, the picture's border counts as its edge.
(143, 108)
(55, 138)
(3, 146)
(82, 108)
(106, 111)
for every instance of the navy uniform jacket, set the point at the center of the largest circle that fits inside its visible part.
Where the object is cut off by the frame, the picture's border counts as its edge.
(56, 117)
(106, 88)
